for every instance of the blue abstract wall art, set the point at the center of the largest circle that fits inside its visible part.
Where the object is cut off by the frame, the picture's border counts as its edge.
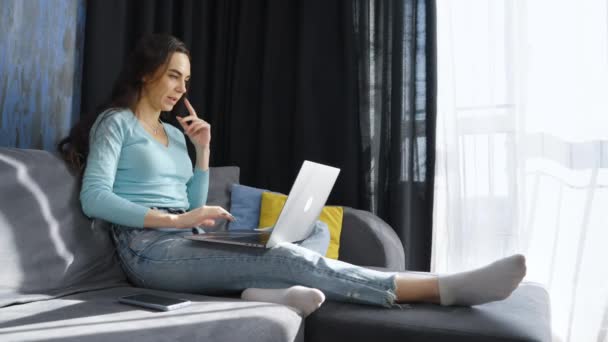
(41, 44)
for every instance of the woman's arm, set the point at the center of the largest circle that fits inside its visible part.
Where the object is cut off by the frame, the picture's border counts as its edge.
(202, 216)
(199, 133)
(96, 195)
(157, 219)
(198, 186)
(98, 200)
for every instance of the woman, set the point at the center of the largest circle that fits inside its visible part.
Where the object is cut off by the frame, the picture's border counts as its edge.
(138, 176)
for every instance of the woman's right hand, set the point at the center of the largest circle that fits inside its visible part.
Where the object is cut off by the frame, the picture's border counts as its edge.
(202, 216)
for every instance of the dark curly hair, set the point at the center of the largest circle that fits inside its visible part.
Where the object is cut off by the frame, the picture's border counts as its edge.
(151, 53)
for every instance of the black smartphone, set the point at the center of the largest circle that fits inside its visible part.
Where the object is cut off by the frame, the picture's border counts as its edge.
(155, 302)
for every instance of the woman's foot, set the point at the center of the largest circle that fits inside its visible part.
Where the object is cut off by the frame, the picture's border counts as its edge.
(304, 299)
(493, 282)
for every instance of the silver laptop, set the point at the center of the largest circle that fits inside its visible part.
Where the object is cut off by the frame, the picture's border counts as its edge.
(297, 219)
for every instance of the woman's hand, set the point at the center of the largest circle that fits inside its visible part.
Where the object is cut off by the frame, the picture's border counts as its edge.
(197, 129)
(202, 216)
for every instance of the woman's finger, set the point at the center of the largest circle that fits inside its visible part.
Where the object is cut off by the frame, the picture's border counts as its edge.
(189, 107)
(183, 123)
(225, 214)
(228, 216)
(195, 127)
(198, 130)
(208, 223)
(187, 127)
(179, 119)
(187, 119)
(221, 215)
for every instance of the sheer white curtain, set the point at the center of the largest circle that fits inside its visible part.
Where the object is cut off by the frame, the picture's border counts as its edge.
(522, 148)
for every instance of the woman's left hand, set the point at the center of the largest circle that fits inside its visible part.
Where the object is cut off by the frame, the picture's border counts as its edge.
(197, 129)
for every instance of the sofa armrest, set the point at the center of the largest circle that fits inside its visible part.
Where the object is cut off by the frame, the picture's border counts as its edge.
(367, 240)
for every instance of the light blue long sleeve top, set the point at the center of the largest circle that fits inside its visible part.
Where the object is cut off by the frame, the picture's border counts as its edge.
(128, 171)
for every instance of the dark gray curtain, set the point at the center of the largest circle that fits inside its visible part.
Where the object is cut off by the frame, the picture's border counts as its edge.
(397, 91)
(276, 79)
(345, 83)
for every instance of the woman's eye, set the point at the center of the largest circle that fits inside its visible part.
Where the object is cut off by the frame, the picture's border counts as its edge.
(173, 77)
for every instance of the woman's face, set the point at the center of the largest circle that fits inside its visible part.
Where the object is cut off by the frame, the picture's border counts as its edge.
(168, 84)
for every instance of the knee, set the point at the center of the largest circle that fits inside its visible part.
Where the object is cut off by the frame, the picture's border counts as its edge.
(319, 239)
(321, 229)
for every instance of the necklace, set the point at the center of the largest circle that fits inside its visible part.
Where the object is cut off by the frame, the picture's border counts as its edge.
(154, 129)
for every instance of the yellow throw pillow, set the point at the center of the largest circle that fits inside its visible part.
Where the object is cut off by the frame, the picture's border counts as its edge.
(272, 204)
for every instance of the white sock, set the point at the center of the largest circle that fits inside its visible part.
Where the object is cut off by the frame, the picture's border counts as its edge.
(304, 299)
(493, 282)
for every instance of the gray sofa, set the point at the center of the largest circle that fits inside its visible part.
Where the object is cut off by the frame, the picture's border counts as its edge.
(60, 280)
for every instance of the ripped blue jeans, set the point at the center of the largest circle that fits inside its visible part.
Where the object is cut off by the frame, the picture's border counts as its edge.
(165, 260)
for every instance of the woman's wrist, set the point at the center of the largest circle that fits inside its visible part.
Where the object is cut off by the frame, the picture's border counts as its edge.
(202, 157)
(160, 219)
(174, 220)
(202, 148)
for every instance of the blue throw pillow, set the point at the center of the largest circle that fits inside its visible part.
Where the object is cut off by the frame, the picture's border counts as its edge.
(245, 204)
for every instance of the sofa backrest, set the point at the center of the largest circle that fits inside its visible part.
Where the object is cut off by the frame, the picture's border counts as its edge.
(221, 179)
(48, 247)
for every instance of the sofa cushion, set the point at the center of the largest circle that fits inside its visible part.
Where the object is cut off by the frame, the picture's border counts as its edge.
(245, 207)
(272, 204)
(524, 316)
(98, 316)
(48, 247)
